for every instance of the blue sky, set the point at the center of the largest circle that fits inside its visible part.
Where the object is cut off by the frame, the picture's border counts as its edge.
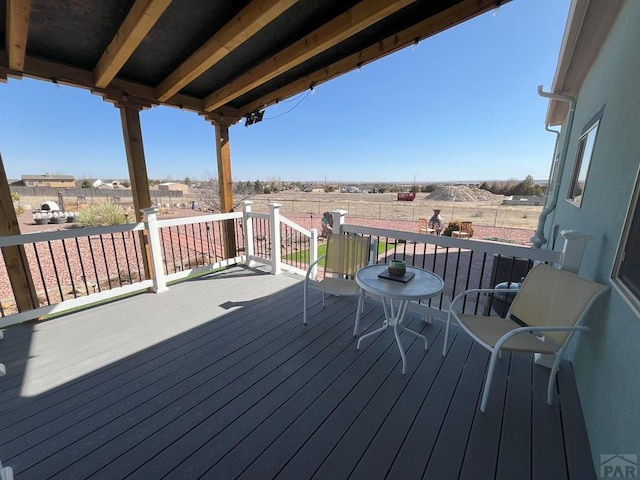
(460, 106)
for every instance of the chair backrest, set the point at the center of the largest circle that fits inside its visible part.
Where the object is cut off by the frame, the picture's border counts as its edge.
(552, 297)
(346, 255)
(423, 225)
(465, 226)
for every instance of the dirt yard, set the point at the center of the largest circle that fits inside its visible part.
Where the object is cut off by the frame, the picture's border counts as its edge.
(381, 207)
(384, 206)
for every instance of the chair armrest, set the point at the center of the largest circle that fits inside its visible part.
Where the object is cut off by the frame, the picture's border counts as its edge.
(516, 331)
(310, 267)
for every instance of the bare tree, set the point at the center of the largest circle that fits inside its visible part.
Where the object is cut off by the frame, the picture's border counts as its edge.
(207, 194)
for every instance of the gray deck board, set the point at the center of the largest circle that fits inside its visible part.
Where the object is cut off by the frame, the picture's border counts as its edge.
(450, 449)
(547, 441)
(573, 421)
(481, 456)
(218, 378)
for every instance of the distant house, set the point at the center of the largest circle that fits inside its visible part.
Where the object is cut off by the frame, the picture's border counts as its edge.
(534, 200)
(173, 187)
(56, 181)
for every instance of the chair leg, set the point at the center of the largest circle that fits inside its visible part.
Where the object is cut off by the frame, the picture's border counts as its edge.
(323, 299)
(552, 379)
(360, 310)
(446, 335)
(487, 382)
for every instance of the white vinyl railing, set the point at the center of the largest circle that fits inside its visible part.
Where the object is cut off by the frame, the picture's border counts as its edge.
(77, 267)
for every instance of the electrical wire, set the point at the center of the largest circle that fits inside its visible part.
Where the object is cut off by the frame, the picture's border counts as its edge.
(291, 109)
(292, 99)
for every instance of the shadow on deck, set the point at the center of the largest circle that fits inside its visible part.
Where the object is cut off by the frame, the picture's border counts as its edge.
(218, 378)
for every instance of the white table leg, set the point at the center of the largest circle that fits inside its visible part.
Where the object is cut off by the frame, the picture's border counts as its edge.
(394, 319)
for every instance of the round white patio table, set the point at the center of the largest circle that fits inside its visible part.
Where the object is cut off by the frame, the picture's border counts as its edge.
(422, 286)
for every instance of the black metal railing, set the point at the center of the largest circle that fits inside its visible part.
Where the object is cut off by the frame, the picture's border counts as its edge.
(261, 237)
(77, 266)
(295, 247)
(191, 245)
(462, 264)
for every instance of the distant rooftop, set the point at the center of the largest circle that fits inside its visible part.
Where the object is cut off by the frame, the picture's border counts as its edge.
(47, 176)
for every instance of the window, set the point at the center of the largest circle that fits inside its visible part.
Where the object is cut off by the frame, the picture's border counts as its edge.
(583, 160)
(626, 274)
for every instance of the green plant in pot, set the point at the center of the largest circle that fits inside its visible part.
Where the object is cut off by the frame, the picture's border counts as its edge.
(397, 268)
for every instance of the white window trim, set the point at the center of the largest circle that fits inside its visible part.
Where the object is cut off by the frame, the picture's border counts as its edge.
(593, 123)
(628, 296)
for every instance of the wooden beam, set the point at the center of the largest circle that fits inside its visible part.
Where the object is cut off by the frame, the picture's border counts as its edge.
(442, 21)
(132, 131)
(243, 26)
(15, 258)
(18, 12)
(141, 18)
(354, 20)
(222, 116)
(225, 183)
(76, 77)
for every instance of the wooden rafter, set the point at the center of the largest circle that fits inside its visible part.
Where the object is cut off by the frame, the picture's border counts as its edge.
(141, 18)
(433, 25)
(76, 77)
(354, 20)
(242, 27)
(18, 12)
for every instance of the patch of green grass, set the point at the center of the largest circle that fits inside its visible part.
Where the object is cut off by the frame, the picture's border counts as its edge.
(303, 255)
(499, 239)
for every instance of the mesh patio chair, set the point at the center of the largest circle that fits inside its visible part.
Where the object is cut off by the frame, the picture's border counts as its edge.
(551, 303)
(344, 256)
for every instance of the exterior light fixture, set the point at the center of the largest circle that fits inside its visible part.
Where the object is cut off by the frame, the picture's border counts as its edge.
(253, 117)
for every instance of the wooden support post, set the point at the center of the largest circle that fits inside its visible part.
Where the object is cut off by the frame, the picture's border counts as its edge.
(15, 258)
(223, 152)
(130, 118)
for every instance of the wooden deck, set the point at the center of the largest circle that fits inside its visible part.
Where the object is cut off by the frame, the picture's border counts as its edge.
(218, 378)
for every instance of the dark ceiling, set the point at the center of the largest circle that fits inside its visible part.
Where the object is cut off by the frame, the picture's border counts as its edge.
(223, 59)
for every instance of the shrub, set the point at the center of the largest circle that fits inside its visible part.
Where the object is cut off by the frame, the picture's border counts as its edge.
(102, 214)
(455, 225)
(15, 198)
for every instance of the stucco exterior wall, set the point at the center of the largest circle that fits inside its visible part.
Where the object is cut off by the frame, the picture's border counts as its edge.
(607, 359)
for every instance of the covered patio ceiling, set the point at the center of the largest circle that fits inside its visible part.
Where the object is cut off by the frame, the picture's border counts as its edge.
(222, 59)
